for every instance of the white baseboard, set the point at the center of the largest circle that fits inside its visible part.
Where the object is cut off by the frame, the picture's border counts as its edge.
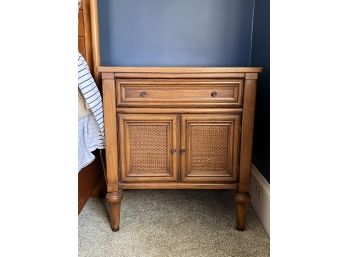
(260, 197)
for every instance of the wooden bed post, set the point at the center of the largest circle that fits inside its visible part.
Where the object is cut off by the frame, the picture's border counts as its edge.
(95, 39)
(114, 195)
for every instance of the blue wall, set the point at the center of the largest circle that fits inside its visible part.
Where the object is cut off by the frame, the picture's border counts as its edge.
(175, 32)
(260, 57)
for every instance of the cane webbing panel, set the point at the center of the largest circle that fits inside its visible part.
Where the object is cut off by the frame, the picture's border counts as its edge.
(148, 149)
(209, 148)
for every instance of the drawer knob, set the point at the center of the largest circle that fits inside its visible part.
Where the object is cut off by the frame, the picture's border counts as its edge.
(214, 93)
(143, 93)
(182, 150)
(173, 150)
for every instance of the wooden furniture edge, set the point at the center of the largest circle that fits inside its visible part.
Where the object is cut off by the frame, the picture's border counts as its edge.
(87, 32)
(109, 99)
(95, 39)
(177, 185)
(124, 69)
(177, 110)
(114, 195)
(247, 135)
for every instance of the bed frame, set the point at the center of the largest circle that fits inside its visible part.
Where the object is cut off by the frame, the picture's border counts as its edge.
(91, 180)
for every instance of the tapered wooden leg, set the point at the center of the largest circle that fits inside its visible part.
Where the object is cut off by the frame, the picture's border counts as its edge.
(114, 201)
(242, 201)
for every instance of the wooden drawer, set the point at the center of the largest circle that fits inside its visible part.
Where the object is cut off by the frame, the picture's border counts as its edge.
(179, 92)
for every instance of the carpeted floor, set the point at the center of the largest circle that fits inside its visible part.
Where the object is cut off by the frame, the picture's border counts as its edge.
(171, 223)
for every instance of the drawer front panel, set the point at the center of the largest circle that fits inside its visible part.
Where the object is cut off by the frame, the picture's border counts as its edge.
(176, 92)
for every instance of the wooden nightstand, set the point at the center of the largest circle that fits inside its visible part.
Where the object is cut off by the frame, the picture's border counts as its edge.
(178, 128)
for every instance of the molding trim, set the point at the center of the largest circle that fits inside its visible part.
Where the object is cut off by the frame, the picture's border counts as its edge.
(260, 197)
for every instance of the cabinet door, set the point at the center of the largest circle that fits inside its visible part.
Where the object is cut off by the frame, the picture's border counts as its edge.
(148, 145)
(209, 147)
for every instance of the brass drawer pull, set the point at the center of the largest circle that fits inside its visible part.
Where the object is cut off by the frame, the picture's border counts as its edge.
(182, 150)
(214, 93)
(143, 93)
(173, 150)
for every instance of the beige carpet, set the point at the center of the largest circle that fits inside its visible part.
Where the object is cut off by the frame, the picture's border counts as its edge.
(171, 223)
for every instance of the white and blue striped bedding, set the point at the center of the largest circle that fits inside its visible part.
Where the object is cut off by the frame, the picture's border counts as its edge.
(91, 127)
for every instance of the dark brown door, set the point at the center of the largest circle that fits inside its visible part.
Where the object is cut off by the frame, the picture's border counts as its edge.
(209, 147)
(148, 147)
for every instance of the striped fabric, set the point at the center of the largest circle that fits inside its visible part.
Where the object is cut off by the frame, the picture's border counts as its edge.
(88, 140)
(92, 96)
